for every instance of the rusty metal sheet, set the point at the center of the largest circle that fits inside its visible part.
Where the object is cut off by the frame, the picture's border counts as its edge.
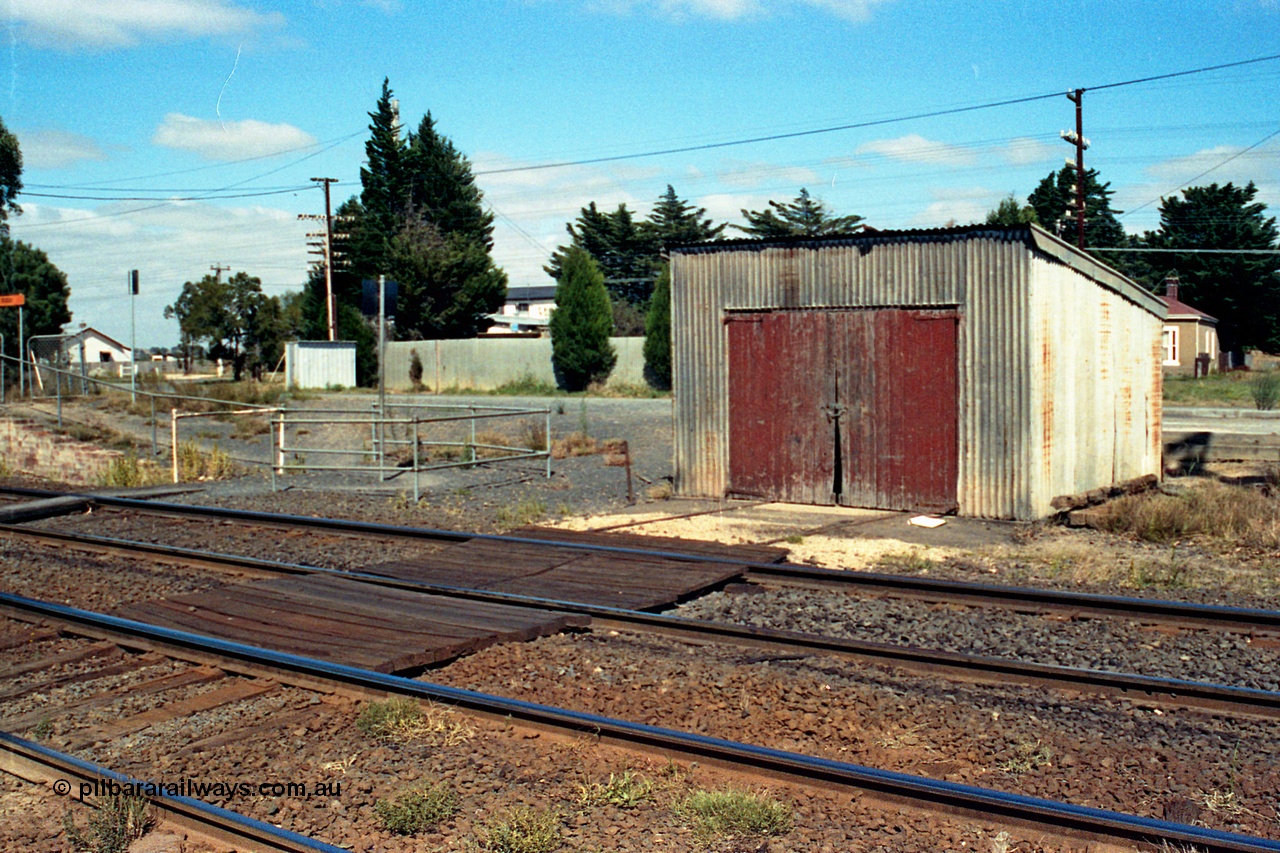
(779, 379)
(855, 407)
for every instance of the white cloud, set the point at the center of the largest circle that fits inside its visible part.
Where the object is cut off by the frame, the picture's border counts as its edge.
(914, 148)
(957, 205)
(169, 244)
(749, 175)
(56, 149)
(1253, 165)
(120, 23)
(735, 10)
(1027, 152)
(229, 140)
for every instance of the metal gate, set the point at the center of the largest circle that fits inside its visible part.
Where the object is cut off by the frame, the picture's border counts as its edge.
(852, 407)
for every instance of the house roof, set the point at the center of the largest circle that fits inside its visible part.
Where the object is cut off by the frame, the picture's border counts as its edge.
(1179, 310)
(84, 334)
(531, 294)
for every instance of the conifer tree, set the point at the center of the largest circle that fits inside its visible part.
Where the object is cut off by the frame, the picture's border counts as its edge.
(581, 322)
(657, 333)
(1054, 202)
(442, 188)
(804, 217)
(675, 220)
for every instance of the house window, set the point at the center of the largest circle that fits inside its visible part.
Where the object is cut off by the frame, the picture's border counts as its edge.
(1170, 344)
(522, 307)
(104, 356)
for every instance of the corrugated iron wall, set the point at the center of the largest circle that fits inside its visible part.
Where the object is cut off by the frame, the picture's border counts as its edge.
(1096, 386)
(1027, 323)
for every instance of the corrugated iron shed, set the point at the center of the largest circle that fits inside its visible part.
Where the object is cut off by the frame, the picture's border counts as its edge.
(982, 369)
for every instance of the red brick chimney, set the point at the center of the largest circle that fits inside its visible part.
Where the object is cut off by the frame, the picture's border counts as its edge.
(1171, 286)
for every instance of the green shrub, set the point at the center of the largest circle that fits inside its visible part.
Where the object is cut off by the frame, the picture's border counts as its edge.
(118, 821)
(417, 809)
(581, 323)
(734, 812)
(657, 333)
(524, 830)
(624, 791)
(1264, 388)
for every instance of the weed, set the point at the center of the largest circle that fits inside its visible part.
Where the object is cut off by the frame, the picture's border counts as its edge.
(904, 737)
(574, 444)
(1028, 756)
(661, 491)
(533, 434)
(624, 791)
(1264, 388)
(1223, 802)
(43, 729)
(1234, 514)
(197, 464)
(583, 426)
(118, 821)
(524, 830)
(528, 511)
(794, 539)
(417, 809)
(415, 370)
(526, 386)
(5, 470)
(403, 720)
(1000, 843)
(733, 811)
(128, 471)
(907, 561)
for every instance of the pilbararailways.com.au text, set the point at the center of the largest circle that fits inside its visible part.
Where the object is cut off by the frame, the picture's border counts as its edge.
(199, 789)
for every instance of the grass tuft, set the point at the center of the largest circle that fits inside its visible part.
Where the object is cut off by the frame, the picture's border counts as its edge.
(402, 720)
(118, 821)
(128, 471)
(527, 511)
(1028, 756)
(733, 811)
(625, 791)
(417, 809)
(1264, 388)
(1236, 514)
(574, 444)
(524, 830)
(197, 464)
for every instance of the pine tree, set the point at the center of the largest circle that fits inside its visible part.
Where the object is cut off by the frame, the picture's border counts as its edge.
(442, 189)
(1009, 212)
(1242, 291)
(10, 176)
(627, 252)
(581, 322)
(420, 220)
(674, 220)
(805, 217)
(657, 333)
(1054, 202)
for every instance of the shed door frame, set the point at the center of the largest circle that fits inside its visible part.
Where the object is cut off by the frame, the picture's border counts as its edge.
(849, 406)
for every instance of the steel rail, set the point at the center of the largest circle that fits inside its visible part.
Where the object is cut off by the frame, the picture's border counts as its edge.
(1163, 610)
(25, 759)
(1167, 692)
(933, 793)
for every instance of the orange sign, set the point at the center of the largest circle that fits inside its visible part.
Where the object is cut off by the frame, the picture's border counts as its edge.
(12, 300)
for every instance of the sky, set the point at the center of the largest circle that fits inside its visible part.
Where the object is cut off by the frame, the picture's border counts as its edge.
(170, 136)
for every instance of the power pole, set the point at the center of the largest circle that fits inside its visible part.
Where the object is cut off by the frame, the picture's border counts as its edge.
(218, 271)
(328, 259)
(1077, 138)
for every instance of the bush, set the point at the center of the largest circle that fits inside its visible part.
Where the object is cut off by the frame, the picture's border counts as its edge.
(118, 821)
(657, 333)
(581, 323)
(417, 809)
(524, 830)
(1265, 390)
(128, 471)
(734, 812)
(415, 370)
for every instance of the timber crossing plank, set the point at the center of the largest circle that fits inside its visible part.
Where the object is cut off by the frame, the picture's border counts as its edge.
(348, 622)
(631, 581)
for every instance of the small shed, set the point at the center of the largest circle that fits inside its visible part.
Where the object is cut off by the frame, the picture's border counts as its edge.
(983, 370)
(94, 347)
(1189, 341)
(320, 364)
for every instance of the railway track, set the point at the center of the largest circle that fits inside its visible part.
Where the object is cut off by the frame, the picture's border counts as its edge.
(1156, 611)
(1157, 692)
(1060, 818)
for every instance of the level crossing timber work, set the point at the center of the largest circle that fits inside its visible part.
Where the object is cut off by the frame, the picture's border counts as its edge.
(394, 623)
(1065, 819)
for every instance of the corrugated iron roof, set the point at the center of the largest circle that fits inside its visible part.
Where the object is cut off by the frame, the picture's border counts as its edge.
(1041, 239)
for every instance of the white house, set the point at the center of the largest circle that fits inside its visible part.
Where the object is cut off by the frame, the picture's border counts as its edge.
(94, 347)
(527, 309)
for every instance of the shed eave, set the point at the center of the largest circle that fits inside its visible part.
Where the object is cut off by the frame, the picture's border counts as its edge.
(1090, 267)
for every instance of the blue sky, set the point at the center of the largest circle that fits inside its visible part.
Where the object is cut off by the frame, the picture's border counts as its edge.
(197, 99)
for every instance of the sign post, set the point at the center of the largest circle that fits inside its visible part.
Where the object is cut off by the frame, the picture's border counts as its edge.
(133, 339)
(17, 300)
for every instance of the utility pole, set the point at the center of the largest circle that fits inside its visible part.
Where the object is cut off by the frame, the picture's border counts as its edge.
(328, 259)
(1077, 138)
(218, 271)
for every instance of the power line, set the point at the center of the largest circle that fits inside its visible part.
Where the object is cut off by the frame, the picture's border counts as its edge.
(864, 124)
(1188, 183)
(210, 195)
(1189, 251)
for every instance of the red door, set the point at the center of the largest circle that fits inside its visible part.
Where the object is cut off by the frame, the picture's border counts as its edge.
(855, 407)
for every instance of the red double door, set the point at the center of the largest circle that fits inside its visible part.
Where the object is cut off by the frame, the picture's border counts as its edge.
(852, 407)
